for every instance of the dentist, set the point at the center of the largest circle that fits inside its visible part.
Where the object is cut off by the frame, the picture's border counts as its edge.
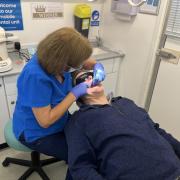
(45, 91)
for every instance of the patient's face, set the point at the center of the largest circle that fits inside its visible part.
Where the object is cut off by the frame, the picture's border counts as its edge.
(93, 92)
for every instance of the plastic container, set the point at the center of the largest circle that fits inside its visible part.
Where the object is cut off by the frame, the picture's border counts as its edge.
(82, 17)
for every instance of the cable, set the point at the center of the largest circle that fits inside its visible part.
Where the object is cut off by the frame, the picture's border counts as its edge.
(17, 46)
(23, 54)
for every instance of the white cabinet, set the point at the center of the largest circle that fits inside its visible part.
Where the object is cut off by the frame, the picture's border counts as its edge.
(8, 95)
(11, 92)
(10, 84)
(111, 68)
(108, 65)
(4, 114)
(11, 101)
(110, 83)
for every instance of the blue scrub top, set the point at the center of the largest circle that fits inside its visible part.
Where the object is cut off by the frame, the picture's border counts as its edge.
(36, 88)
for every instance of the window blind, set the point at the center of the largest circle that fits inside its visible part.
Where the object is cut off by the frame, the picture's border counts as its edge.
(173, 26)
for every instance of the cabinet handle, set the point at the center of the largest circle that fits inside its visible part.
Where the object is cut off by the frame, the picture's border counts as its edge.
(12, 102)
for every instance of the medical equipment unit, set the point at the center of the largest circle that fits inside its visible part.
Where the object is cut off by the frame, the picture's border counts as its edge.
(5, 61)
(126, 7)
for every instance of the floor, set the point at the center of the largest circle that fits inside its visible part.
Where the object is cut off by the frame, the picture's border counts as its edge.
(55, 171)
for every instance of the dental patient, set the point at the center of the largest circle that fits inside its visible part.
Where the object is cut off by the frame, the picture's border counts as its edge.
(118, 140)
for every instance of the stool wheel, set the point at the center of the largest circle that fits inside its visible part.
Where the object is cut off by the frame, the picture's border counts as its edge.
(5, 163)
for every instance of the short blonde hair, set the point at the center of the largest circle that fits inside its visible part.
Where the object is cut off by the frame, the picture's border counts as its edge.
(61, 48)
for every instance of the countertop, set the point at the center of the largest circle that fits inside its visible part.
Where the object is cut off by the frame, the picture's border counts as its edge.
(99, 53)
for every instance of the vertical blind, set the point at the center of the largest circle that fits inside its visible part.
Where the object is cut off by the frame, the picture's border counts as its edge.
(173, 27)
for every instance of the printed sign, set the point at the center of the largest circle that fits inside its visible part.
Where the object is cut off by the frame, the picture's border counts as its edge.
(85, 24)
(47, 10)
(11, 15)
(95, 18)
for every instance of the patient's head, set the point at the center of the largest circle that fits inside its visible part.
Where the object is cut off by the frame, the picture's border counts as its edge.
(95, 94)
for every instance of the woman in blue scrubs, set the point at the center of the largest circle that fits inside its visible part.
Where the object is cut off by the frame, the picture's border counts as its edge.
(45, 91)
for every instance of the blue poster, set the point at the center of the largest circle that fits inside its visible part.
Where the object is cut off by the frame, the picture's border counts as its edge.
(11, 15)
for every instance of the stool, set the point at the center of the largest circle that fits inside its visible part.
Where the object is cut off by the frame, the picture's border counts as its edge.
(35, 164)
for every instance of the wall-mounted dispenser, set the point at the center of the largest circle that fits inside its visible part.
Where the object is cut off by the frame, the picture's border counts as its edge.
(82, 16)
(126, 7)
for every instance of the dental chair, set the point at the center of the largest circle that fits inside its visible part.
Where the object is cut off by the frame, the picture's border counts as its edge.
(35, 164)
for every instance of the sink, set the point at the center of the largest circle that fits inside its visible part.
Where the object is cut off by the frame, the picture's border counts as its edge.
(98, 51)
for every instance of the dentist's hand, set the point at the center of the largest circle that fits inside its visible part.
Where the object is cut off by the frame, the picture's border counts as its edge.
(80, 89)
(99, 74)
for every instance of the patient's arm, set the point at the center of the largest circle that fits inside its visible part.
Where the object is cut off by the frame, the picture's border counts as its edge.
(132, 107)
(81, 156)
(174, 142)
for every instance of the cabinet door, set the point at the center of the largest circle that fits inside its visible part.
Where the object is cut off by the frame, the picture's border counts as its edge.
(116, 65)
(11, 104)
(10, 84)
(4, 116)
(110, 83)
(108, 65)
(11, 92)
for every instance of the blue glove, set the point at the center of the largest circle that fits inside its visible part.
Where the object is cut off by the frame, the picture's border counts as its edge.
(80, 89)
(99, 74)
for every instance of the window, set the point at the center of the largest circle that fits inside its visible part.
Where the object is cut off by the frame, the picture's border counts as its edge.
(173, 27)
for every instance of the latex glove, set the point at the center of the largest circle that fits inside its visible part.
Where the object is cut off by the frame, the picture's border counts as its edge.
(80, 89)
(99, 74)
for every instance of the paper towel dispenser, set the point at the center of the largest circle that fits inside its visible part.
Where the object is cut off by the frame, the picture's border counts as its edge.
(126, 7)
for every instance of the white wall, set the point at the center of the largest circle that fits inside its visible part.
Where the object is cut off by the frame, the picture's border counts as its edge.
(35, 30)
(136, 39)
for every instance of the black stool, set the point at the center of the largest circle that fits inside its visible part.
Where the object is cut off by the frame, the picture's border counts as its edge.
(35, 164)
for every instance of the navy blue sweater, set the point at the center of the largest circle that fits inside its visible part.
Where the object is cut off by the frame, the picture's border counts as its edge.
(120, 142)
